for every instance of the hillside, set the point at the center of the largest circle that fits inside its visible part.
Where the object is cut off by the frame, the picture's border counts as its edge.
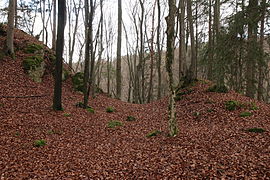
(213, 142)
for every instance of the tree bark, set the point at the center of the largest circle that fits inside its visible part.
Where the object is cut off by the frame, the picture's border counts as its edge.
(118, 63)
(10, 29)
(169, 59)
(192, 70)
(57, 100)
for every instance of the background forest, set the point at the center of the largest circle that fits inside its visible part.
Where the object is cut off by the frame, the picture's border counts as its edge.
(226, 41)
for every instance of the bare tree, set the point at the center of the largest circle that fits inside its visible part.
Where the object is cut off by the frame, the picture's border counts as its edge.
(169, 59)
(118, 63)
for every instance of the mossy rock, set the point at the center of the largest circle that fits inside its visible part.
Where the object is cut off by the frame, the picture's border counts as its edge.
(34, 48)
(35, 67)
(245, 114)
(65, 74)
(32, 62)
(77, 81)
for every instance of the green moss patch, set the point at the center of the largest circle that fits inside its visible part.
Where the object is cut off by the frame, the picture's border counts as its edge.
(110, 109)
(32, 62)
(39, 143)
(256, 130)
(113, 124)
(153, 133)
(33, 48)
(232, 105)
(245, 114)
(90, 109)
(131, 118)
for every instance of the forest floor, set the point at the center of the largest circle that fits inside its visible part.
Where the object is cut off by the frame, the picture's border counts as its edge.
(213, 142)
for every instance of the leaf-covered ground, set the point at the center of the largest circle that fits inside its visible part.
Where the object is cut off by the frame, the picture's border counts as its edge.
(212, 141)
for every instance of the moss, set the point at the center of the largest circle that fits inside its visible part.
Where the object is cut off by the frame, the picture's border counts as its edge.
(256, 130)
(153, 133)
(67, 114)
(32, 62)
(39, 143)
(232, 105)
(181, 92)
(131, 118)
(65, 74)
(77, 81)
(218, 89)
(33, 48)
(90, 109)
(110, 109)
(113, 124)
(245, 114)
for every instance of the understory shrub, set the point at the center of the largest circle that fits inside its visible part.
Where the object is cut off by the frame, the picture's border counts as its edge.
(113, 124)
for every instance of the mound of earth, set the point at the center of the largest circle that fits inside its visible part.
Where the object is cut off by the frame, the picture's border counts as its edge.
(213, 142)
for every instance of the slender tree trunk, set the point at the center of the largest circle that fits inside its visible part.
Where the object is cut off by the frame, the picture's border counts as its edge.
(87, 55)
(192, 69)
(182, 48)
(54, 26)
(252, 41)
(169, 59)
(10, 29)
(159, 51)
(261, 61)
(57, 99)
(210, 41)
(118, 63)
(150, 90)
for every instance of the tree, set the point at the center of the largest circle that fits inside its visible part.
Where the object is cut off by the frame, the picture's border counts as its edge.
(57, 99)
(118, 63)
(10, 29)
(169, 59)
(253, 18)
(182, 48)
(192, 72)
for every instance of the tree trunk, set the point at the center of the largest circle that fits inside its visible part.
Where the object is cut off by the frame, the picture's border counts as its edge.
(10, 29)
(261, 61)
(252, 12)
(159, 51)
(87, 55)
(169, 59)
(182, 48)
(118, 63)
(54, 26)
(192, 70)
(57, 100)
(210, 48)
